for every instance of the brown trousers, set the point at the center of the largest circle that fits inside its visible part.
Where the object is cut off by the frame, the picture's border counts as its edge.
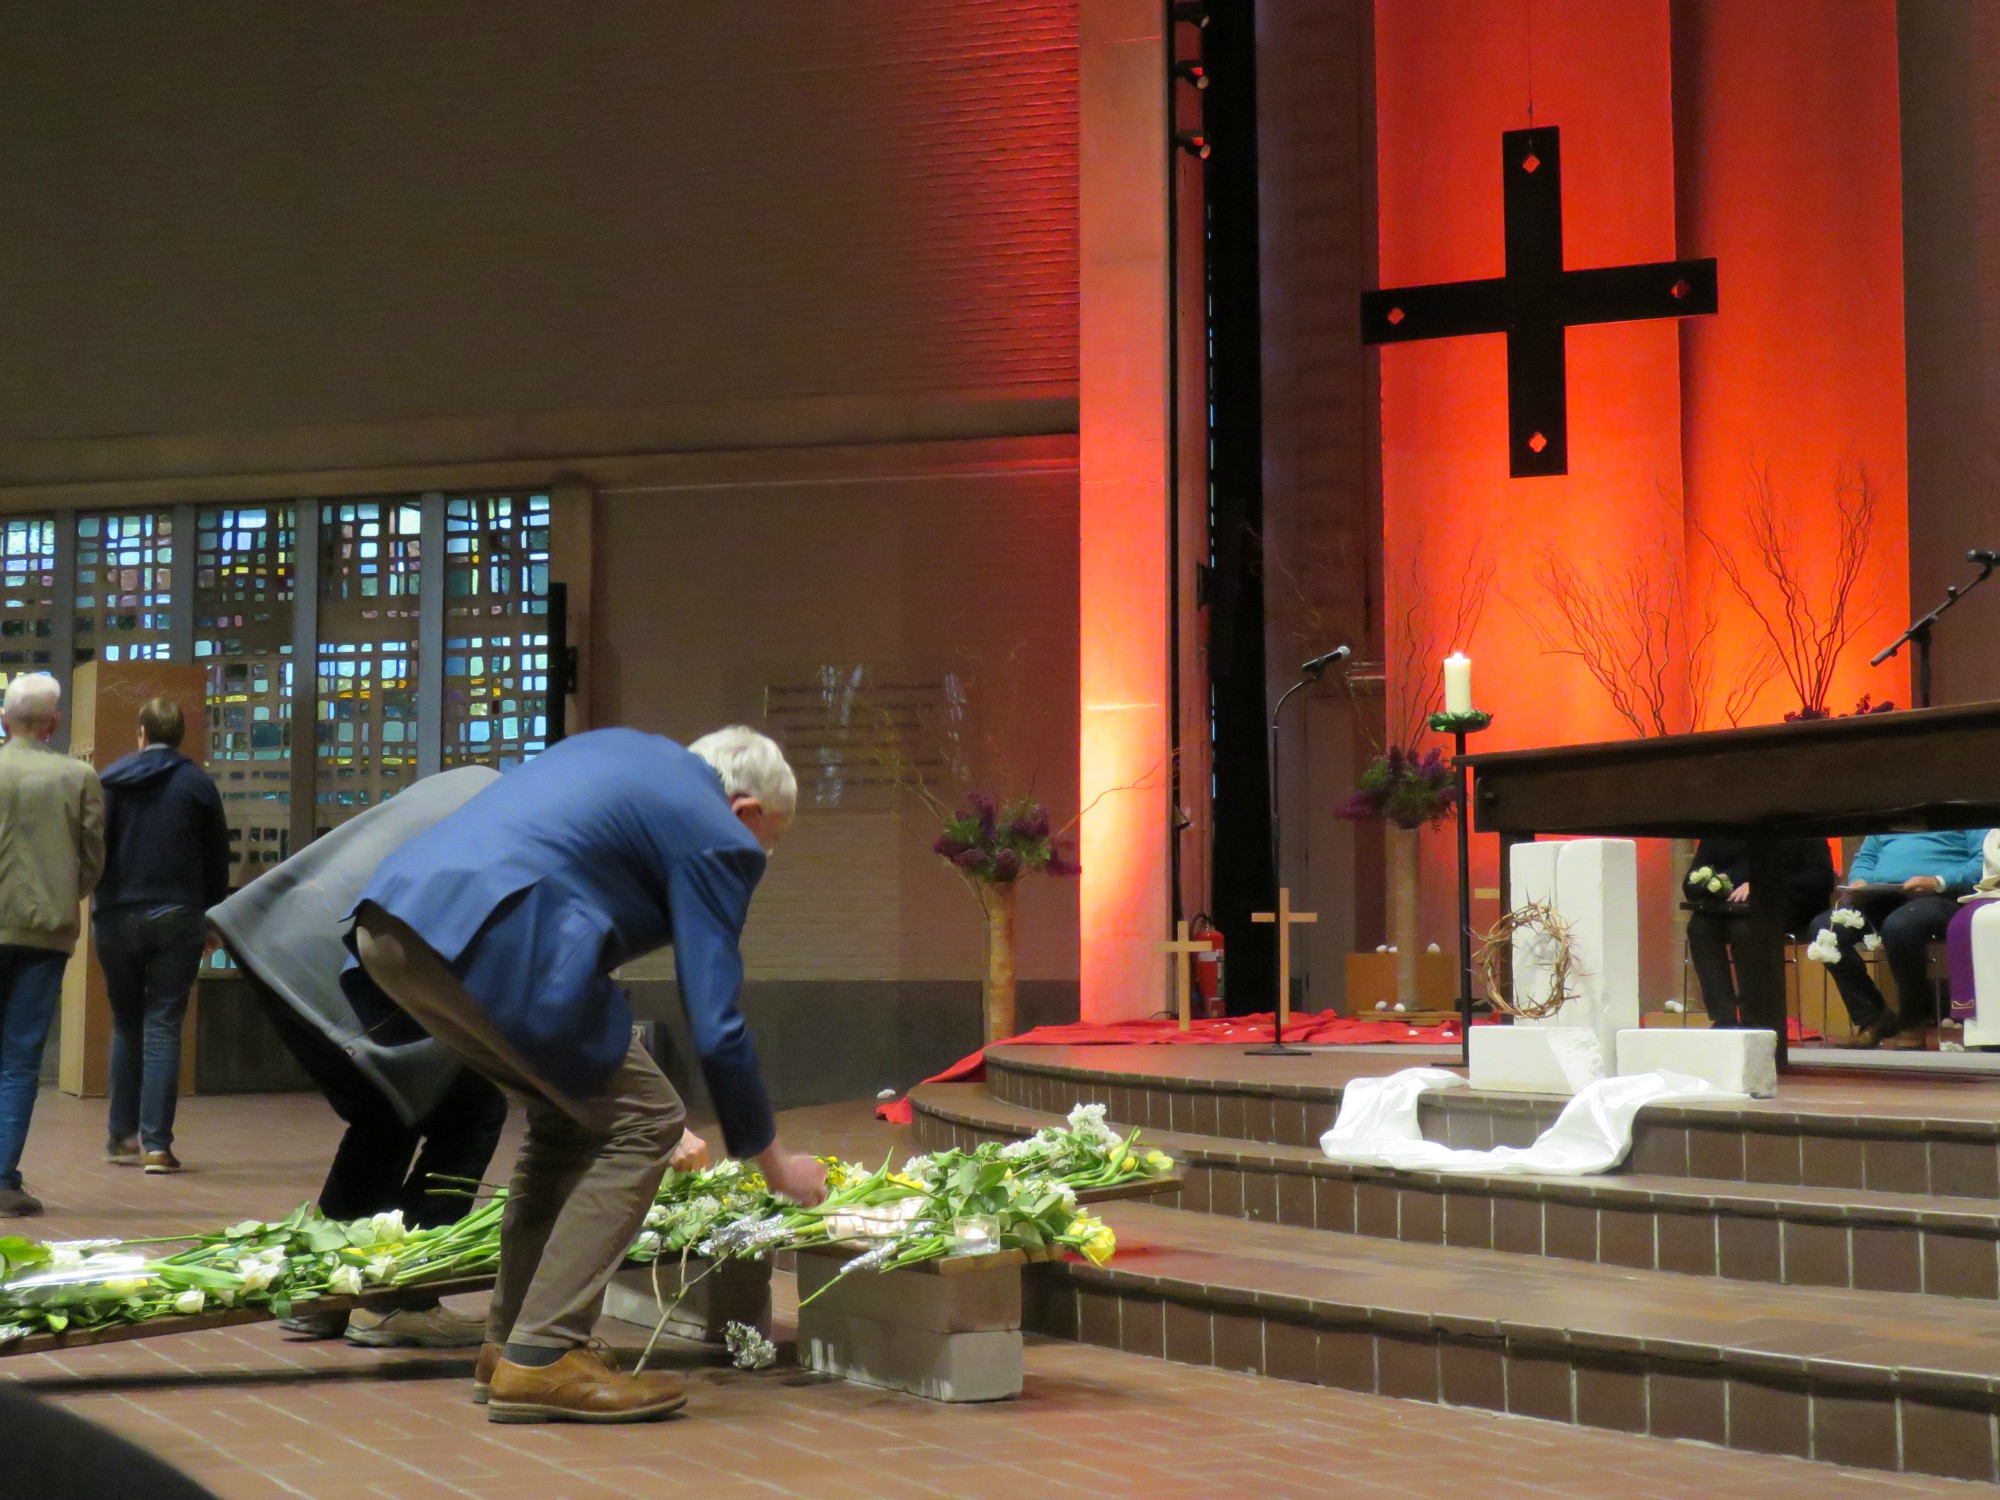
(587, 1171)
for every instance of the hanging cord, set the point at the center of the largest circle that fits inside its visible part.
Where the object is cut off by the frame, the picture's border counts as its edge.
(1529, 7)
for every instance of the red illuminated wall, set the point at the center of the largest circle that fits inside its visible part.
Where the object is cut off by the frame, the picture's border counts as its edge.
(1788, 153)
(1762, 132)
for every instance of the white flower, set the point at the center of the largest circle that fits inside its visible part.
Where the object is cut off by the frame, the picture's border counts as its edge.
(1067, 1194)
(1015, 1150)
(656, 1216)
(749, 1349)
(916, 1166)
(1870, 943)
(190, 1301)
(381, 1268)
(1698, 877)
(647, 1244)
(126, 1286)
(345, 1281)
(389, 1227)
(226, 1298)
(256, 1275)
(1825, 948)
(1718, 885)
(1847, 916)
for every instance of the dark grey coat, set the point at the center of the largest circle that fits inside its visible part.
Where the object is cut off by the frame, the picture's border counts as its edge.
(286, 929)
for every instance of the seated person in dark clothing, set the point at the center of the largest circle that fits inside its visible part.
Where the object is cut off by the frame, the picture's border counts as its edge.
(1904, 886)
(1719, 887)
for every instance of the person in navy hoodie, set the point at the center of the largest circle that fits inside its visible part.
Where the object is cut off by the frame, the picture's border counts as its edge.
(166, 861)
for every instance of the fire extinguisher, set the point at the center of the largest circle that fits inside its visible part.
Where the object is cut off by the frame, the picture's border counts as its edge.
(1208, 968)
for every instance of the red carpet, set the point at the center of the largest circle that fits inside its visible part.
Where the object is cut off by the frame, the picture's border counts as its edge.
(1326, 1028)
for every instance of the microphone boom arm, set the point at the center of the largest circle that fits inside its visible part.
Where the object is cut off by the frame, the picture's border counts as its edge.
(1919, 632)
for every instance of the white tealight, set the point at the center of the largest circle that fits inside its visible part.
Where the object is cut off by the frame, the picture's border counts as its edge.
(1434, 948)
(1381, 1004)
(1675, 1007)
(1401, 1006)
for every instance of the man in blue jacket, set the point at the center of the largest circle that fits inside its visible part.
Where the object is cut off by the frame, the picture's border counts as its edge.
(166, 861)
(497, 929)
(1906, 886)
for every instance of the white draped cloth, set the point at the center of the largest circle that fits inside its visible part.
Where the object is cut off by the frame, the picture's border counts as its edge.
(1377, 1125)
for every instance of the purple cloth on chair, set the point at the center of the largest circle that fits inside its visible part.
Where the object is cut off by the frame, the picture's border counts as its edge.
(1958, 949)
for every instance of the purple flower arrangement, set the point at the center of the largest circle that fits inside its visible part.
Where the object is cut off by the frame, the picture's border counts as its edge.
(1407, 788)
(995, 842)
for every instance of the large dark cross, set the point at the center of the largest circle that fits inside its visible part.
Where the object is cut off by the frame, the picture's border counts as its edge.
(1536, 301)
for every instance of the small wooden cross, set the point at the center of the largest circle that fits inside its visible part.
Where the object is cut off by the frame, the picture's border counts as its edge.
(1285, 917)
(1183, 950)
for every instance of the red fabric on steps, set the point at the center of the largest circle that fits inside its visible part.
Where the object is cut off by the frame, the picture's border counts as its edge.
(1325, 1029)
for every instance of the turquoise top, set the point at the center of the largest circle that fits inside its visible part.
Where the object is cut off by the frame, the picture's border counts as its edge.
(1892, 858)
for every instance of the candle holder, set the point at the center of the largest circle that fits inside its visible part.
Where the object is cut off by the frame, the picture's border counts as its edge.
(1458, 726)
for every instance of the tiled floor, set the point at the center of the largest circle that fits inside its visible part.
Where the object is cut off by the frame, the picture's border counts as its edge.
(253, 1413)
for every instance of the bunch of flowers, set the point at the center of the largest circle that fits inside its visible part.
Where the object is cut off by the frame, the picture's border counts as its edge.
(999, 843)
(1407, 788)
(1825, 946)
(1023, 1196)
(1709, 881)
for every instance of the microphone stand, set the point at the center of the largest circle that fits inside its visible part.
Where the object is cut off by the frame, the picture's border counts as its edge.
(1919, 632)
(1311, 672)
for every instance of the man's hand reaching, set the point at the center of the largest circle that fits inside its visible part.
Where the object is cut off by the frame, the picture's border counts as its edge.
(690, 1153)
(792, 1176)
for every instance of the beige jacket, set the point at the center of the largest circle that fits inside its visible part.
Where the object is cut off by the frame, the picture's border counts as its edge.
(51, 843)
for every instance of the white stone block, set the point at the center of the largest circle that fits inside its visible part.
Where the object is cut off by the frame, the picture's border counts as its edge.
(739, 1291)
(1535, 1059)
(1736, 1062)
(983, 1366)
(1594, 885)
(967, 1299)
(1983, 1030)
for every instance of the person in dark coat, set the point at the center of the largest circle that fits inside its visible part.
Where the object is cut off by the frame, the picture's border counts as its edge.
(1805, 888)
(166, 861)
(414, 1116)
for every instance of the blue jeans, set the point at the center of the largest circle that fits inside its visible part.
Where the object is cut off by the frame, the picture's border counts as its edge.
(151, 956)
(31, 984)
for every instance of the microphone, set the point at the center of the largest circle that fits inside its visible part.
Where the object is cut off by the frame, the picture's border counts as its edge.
(1983, 557)
(1319, 664)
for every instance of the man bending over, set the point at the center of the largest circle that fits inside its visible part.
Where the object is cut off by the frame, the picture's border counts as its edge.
(497, 929)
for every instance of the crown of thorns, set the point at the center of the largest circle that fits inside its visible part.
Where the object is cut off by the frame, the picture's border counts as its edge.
(1495, 958)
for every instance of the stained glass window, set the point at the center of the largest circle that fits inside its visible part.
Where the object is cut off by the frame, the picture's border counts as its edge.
(369, 571)
(243, 602)
(496, 628)
(27, 594)
(124, 568)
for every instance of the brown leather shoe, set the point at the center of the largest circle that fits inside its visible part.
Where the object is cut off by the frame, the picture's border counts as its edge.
(579, 1387)
(482, 1374)
(1873, 1035)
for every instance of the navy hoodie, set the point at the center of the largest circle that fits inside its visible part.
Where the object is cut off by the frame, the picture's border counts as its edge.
(166, 842)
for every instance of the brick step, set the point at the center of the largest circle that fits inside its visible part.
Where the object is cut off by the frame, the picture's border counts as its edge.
(1827, 1130)
(1787, 1235)
(1886, 1381)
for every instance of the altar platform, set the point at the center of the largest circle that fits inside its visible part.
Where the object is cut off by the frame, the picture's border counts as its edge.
(1815, 1274)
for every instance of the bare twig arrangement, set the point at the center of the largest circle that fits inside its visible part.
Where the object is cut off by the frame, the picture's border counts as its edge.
(1545, 923)
(1425, 626)
(1809, 617)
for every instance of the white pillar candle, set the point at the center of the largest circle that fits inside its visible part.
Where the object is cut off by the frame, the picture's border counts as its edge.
(1458, 683)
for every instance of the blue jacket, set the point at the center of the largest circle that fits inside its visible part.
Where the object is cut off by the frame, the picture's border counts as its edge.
(602, 848)
(166, 842)
(1892, 858)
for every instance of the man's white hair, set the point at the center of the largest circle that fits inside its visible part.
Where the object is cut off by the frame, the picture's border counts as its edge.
(751, 765)
(32, 701)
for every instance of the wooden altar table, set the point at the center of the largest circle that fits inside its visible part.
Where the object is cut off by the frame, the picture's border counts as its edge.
(1916, 771)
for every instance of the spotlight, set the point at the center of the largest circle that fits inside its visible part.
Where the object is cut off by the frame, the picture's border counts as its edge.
(1191, 13)
(1192, 74)
(1194, 143)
